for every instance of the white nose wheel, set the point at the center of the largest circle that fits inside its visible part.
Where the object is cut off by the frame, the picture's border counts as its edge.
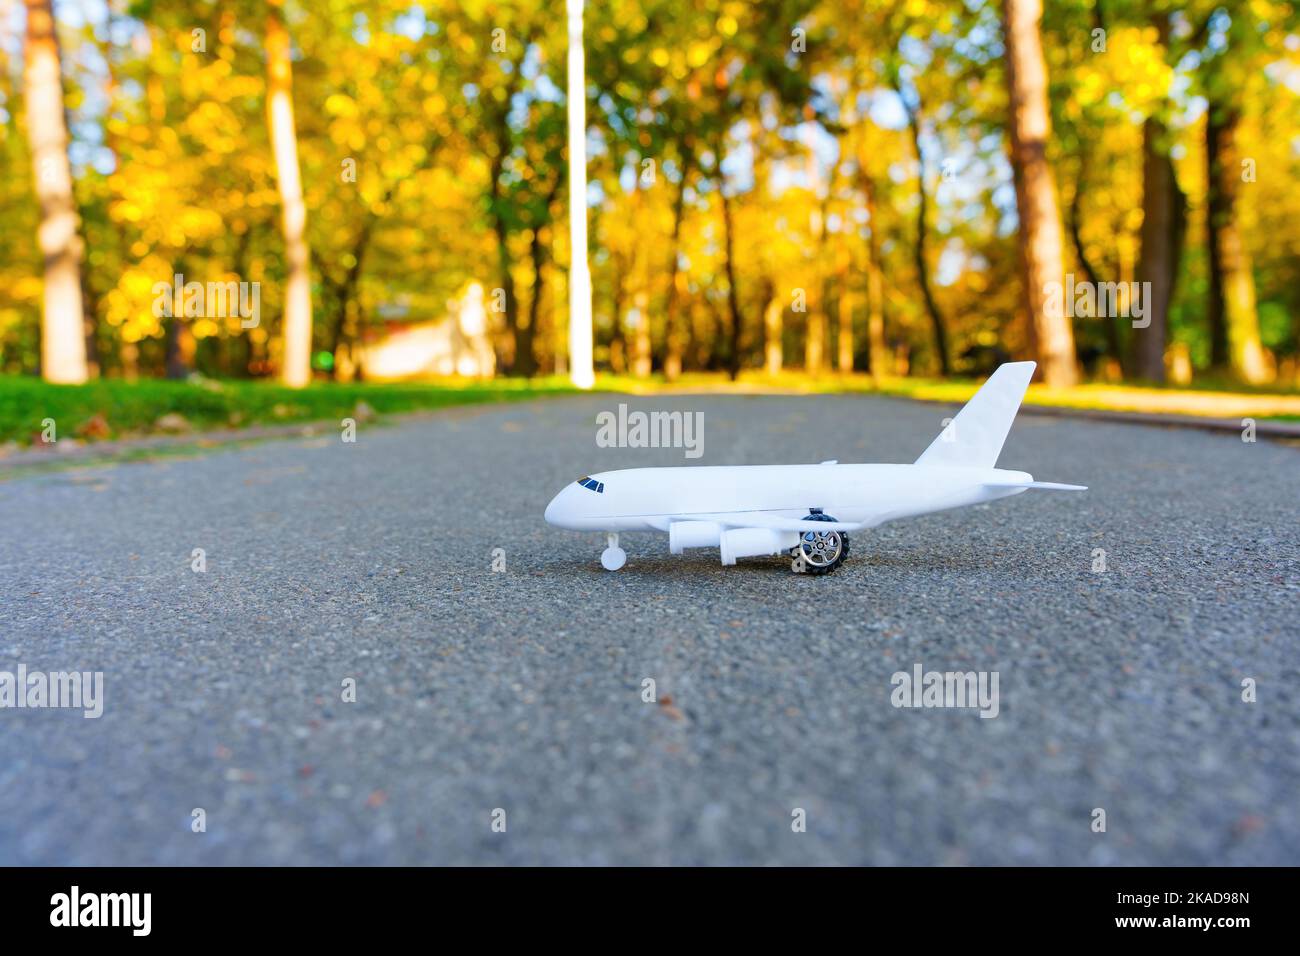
(613, 557)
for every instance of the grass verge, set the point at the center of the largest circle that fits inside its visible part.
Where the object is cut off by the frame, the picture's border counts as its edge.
(116, 409)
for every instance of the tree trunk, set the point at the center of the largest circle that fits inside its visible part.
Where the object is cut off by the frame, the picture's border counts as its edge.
(344, 329)
(1041, 251)
(350, 316)
(673, 336)
(179, 348)
(639, 360)
(1158, 260)
(617, 339)
(538, 252)
(1215, 312)
(1110, 323)
(773, 331)
(733, 297)
(296, 370)
(89, 316)
(844, 311)
(179, 345)
(877, 350)
(525, 355)
(815, 340)
(63, 341)
(507, 280)
(937, 323)
(1234, 323)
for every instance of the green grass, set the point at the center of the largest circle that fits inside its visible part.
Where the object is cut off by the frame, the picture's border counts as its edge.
(133, 408)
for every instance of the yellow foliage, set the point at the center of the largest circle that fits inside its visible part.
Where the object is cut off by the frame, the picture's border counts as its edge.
(27, 289)
(1135, 54)
(699, 54)
(340, 105)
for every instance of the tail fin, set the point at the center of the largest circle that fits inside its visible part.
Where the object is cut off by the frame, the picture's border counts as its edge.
(975, 437)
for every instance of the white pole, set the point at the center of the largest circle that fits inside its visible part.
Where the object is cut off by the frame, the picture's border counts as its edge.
(580, 340)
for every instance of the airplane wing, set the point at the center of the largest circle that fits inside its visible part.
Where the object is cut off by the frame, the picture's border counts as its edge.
(765, 519)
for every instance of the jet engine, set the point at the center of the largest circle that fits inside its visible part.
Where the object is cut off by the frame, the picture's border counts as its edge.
(752, 542)
(692, 534)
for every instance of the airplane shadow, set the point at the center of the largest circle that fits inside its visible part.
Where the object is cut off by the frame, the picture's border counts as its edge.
(919, 559)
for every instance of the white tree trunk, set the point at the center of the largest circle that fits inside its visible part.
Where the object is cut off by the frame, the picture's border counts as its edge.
(581, 372)
(63, 343)
(296, 370)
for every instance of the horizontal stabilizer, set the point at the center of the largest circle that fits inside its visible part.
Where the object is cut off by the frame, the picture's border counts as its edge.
(1044, 485)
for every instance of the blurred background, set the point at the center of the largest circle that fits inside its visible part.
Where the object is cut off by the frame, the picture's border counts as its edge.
(369, 191)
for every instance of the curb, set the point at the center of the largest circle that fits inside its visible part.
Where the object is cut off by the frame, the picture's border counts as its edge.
(1263, 427)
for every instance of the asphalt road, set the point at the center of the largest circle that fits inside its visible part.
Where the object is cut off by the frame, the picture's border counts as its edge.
(522, 690)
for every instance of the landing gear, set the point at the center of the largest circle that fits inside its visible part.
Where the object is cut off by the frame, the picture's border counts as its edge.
(819, 552)
(613, 557)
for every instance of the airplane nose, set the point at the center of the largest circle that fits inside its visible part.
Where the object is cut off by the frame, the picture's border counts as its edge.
(555, 510)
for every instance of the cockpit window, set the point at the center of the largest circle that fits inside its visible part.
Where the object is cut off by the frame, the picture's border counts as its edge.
(592, 484)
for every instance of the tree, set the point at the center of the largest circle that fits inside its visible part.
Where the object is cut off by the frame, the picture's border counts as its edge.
(876, 348)
(674, 337)
(581, 333)
(436, 160)
(819, 199)
(1231, 310)
(1040, 220)
(920, 259)
(296, 369)
(1163, 219)
(734, 315)
(946, 68)
(371, 158)
(512, 120)
(1233, 320)
(63, 344)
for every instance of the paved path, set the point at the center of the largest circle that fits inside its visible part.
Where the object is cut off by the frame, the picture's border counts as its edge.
(522, 690)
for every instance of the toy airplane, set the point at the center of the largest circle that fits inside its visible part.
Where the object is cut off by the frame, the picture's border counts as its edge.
(805, 511)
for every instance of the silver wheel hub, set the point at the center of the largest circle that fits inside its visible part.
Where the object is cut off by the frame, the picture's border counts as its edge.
(820, 548)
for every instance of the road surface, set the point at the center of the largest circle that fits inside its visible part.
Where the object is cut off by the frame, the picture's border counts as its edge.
(516, 697)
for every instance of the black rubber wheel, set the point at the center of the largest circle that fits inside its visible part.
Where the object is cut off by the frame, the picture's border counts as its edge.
(822, 551)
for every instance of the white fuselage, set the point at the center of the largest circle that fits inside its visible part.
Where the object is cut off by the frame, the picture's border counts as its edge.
(650, 499)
